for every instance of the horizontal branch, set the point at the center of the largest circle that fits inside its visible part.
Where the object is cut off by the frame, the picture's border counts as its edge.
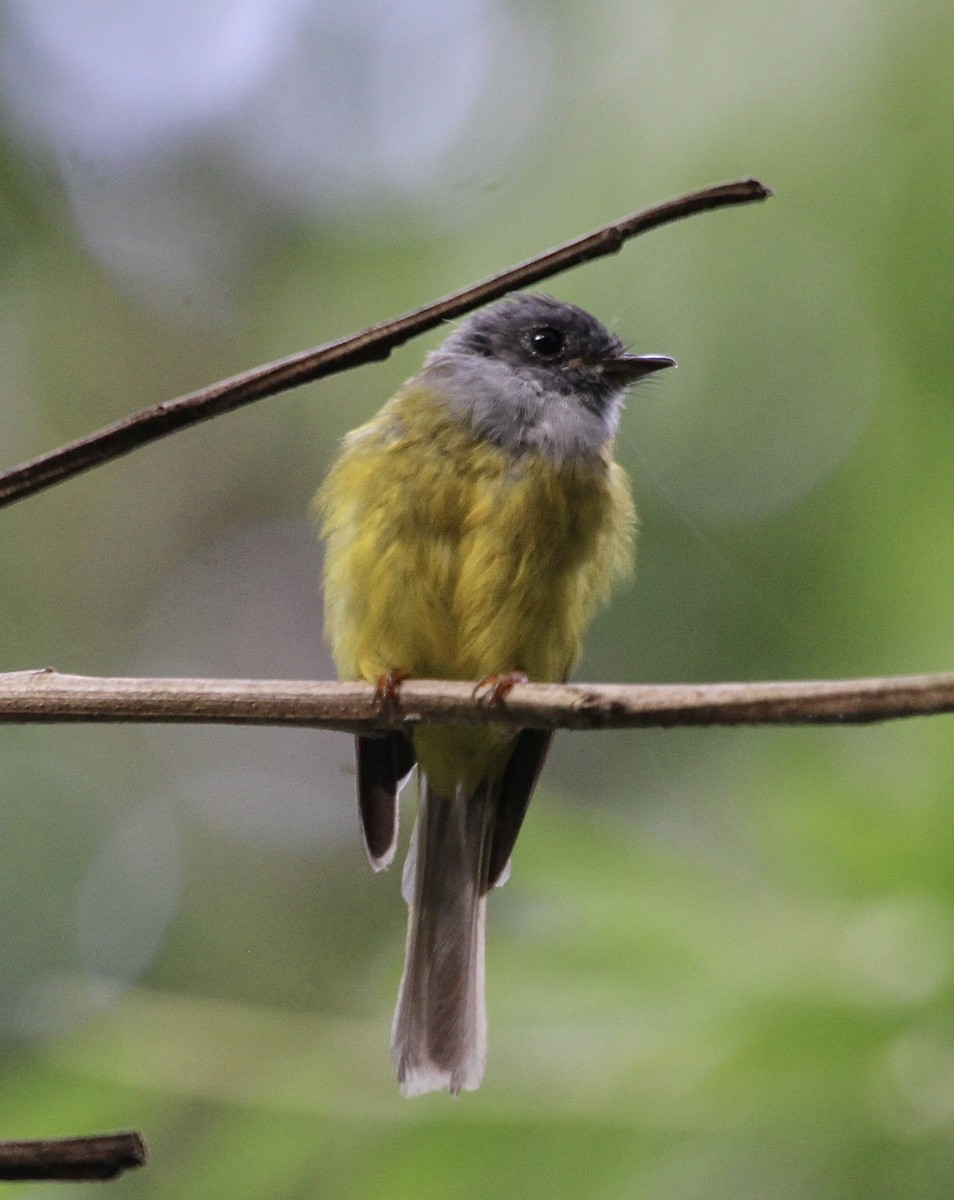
(369, 345)
(47, 696)
(103, 1156)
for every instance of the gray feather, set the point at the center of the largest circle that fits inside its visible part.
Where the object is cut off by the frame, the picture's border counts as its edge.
(566, 409)
(439, 1038)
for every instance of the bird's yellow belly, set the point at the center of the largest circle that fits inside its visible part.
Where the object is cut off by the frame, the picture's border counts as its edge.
(448, 557)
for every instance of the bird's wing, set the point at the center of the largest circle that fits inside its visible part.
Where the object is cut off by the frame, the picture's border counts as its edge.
(514, 791)
(384, 764)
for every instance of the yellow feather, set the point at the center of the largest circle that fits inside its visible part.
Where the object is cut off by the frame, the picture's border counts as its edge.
(449, 557)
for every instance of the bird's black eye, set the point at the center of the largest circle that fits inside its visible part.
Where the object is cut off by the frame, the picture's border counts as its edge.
(546, 342)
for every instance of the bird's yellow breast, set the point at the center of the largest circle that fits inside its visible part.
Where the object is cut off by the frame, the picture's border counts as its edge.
(449, 557)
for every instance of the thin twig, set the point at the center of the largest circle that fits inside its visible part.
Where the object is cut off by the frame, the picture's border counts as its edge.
(81, 1158)
(45, 696)
(372, 344)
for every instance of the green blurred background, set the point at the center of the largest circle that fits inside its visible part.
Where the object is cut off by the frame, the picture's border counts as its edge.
(724, 966)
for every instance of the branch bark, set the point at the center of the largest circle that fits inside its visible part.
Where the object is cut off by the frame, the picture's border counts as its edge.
(45, 696)
(103, 1156)
(371, 344)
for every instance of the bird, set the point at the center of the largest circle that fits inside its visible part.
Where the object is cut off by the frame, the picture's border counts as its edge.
(471, 530)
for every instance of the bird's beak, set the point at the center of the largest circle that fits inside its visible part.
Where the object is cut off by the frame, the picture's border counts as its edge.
(630, 367)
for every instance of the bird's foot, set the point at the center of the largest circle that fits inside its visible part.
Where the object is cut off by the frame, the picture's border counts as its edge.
(387, 692)
(492, 690)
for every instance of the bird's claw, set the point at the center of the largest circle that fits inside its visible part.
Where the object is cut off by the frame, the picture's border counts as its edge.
(387, 692)
(492, 690)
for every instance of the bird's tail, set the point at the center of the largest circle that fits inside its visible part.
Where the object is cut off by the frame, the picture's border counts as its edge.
(439, 1038)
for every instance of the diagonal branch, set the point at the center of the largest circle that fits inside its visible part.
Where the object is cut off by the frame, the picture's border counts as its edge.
(372, 344)
(103, 1156)
(45, 696)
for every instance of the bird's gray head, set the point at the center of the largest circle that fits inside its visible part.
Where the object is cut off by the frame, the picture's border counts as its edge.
(535, 373)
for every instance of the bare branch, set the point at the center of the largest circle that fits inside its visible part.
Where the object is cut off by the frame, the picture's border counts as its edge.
(372, 344)
(45, 696)
(81, 1158)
